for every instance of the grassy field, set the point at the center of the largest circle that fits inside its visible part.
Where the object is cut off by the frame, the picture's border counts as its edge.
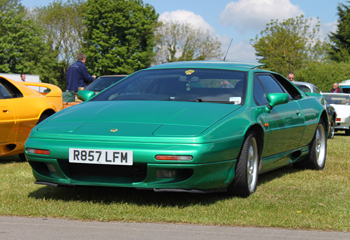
(285, 198)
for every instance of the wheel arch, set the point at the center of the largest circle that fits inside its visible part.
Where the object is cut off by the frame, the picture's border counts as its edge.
(324, 118)
(47, 112)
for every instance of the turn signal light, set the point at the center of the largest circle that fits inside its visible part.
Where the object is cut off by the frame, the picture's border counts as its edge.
(174, 157)
(38, 151)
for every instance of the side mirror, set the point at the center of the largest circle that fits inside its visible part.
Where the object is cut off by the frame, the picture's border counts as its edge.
(85, 95)
(276, 99)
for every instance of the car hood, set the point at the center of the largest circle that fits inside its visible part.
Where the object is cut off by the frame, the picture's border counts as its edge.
(136, 118)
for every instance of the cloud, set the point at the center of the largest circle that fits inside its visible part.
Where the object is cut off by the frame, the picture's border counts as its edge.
(327, 28)
(241, 51)
(184, 16)
(253, 15)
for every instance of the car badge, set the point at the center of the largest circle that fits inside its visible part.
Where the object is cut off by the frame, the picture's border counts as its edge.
(114, 130)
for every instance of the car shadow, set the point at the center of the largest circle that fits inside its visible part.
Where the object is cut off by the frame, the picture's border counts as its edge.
(112, 195)
(342, 134)
(277, 173)
(10, 159)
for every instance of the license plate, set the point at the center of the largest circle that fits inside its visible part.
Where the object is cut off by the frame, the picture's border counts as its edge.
(95, 156)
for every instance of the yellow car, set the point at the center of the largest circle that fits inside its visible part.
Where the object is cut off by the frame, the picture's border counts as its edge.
(21, 109)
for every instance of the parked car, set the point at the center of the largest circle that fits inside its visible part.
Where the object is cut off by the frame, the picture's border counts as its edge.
(103, 82)
(340, 101)
(332, 114)
(180, 127)
(21, 109)
(345, 86)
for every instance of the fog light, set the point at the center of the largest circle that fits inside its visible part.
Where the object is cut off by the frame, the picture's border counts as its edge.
(51, 168)
(165, 174)
(38, 151)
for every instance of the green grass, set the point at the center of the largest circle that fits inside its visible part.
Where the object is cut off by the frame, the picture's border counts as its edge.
(285, 198)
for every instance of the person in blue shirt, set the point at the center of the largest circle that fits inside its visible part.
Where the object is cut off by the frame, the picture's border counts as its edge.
(78, 75)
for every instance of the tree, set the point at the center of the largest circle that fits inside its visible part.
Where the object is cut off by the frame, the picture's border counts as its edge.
(118, 37)
(288, 45)
(183, 42)
(63, 25)
(63, 29)
(22, 49)
(340, 48)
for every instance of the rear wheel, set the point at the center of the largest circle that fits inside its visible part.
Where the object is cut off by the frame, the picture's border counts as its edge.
(22, 157)
(347, 132)
(318, 150)
(247, 167)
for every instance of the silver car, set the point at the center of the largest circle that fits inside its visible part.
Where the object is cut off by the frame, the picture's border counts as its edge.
(341, 103)
(331, 110)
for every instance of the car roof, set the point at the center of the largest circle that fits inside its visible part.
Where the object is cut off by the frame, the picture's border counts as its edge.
(208, 64)
(303, 83)
(113, 75)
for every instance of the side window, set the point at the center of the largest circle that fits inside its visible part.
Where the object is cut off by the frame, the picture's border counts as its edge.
(4, 92)
(10, 88)
(270, 84)
(288, 87)
(317, 90)
(259, 92)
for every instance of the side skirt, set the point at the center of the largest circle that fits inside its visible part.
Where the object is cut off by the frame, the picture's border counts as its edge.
(282, 159)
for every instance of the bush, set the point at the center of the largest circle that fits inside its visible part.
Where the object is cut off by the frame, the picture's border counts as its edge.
(323, 75)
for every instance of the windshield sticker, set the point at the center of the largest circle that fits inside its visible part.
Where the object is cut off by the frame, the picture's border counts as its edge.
(236, 100)
(188, 87)
(189, 72)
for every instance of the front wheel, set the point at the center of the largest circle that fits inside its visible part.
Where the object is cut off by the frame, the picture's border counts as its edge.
(247, 167)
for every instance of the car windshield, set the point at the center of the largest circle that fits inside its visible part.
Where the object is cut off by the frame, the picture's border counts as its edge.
(303, 88)
(337, 98)
(197, 85)
(103, 82)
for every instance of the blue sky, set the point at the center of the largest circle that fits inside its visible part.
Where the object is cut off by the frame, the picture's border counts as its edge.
(240, 20)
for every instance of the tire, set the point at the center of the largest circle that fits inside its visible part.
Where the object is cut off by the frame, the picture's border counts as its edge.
(347, 132)
(22, 157)
(247, 167)
(316, 159)
(331, 129)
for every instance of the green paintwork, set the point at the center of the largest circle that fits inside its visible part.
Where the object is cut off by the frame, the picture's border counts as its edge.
(212, 133)
(276, 99)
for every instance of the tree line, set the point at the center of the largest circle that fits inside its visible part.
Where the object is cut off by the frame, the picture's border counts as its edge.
(117, 36)
(123, 36)
(294, 45)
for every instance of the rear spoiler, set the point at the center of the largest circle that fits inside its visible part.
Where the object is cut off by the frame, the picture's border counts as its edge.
(55, 91)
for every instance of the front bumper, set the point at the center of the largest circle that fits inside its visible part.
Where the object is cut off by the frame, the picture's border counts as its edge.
(212, 167)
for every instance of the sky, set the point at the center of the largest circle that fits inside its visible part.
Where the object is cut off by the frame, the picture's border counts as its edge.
(239, 20)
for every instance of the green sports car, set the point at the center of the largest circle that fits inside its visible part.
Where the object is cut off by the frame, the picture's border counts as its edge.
(187, 126)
